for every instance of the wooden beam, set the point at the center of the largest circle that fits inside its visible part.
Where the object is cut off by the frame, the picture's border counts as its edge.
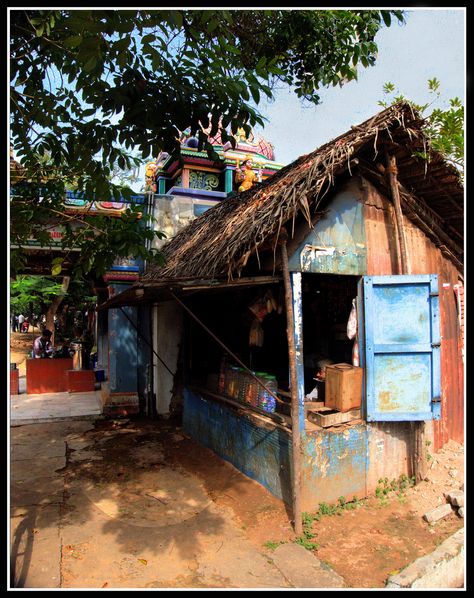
(296, 439)
(391, 170)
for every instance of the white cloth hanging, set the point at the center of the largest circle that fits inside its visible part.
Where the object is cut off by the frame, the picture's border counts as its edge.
(352, 333)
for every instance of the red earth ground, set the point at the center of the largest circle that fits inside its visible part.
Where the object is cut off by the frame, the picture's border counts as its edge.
(365, 545)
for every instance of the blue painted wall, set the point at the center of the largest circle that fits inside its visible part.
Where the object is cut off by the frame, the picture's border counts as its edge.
(334, 463)
(123, 355)
(337, 243)
(263, 455)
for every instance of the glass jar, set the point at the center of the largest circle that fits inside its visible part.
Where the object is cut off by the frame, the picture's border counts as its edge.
(222, 371)
(244, 376)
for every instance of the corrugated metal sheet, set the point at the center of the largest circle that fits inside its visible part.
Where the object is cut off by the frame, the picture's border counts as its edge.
(424, 258)
(389, 447)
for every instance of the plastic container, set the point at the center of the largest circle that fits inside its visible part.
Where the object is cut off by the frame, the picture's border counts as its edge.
(251, 395)
(266, 401)
(221, 383)
(232, 385)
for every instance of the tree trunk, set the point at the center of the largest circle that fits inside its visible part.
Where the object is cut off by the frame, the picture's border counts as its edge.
(55, 303)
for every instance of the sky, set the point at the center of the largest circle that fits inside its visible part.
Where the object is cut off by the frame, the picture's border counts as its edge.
(430, 44)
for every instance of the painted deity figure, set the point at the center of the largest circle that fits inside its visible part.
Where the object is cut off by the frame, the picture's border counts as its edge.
(150, 170)
(245, 176)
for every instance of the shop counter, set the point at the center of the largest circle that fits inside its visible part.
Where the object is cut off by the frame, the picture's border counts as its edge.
(47, 375)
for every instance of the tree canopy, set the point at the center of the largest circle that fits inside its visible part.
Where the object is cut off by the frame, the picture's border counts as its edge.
(91, 88)
(444, 123)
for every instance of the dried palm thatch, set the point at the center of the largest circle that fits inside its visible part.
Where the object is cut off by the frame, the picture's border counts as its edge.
(219, 243)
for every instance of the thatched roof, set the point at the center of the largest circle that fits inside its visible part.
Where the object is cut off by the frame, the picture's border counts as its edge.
(219, 243)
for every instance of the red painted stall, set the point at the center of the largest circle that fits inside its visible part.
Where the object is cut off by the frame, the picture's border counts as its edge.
(47, 375)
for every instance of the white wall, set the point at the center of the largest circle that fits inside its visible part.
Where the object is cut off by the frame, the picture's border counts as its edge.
(167, 327)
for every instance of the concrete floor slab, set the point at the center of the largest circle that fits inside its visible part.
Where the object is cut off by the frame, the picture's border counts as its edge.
(39, 467)
(39, 491)
(303, 570)
(443, 568)
(36, 548)
(102, 522)
(26, 409)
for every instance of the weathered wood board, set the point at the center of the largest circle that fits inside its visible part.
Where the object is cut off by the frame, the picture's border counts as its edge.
(329, 417)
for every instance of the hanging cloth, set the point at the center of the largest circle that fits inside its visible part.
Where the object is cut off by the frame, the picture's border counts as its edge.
(256, 334)
(352, 333)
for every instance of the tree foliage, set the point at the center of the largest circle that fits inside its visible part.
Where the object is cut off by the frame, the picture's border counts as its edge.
(90, 88)
(444, 125)
(30, 294)
(34, 294)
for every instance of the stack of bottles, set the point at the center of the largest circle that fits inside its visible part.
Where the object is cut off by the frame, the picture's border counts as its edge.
(239, 385)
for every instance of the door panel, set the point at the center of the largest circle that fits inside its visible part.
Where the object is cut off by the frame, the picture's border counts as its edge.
(401, 347)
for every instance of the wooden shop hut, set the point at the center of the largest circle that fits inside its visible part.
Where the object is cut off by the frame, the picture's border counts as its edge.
(267, 280)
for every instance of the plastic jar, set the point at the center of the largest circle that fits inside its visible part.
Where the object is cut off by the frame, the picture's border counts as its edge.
(266, 401)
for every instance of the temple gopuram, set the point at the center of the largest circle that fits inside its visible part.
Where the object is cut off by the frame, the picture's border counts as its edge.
(184, 188)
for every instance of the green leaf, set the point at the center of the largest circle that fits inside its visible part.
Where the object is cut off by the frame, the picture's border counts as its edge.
(56, 269)
(150, 37)
(387, 19)
(90, 64)
(73, 42)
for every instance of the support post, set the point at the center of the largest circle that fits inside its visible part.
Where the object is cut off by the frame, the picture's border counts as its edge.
(418, 427)
(402, 252)
(295, 429)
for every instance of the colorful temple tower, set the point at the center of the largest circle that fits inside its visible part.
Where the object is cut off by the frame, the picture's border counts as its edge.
(184, 188)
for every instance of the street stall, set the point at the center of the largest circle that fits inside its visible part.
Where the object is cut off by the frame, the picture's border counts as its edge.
(328, 261)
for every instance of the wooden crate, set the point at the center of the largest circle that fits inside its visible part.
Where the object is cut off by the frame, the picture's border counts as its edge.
(343, 387)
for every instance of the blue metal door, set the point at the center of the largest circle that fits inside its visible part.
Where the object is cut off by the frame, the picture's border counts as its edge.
(400, 347)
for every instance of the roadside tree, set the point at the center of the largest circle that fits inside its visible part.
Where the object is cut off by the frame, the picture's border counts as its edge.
(90, 88)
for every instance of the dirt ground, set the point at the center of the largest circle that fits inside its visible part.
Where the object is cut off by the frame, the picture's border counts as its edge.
(364, 545)
(116, 465)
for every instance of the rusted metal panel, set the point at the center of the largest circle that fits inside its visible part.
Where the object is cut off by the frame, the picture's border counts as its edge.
(334, 464)
(262, 453)
(336, 245)
(452, 406)
(389, 446)
(424, 258)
